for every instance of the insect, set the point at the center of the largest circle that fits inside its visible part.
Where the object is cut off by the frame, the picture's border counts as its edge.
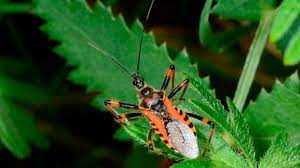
(171, 124)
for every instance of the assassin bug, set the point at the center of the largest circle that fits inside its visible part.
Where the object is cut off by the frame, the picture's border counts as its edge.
(171, 124)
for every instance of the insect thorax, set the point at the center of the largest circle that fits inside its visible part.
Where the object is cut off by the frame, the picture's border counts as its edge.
(153, 100)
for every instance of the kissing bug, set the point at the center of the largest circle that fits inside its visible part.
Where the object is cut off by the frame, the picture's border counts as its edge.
(171, 124)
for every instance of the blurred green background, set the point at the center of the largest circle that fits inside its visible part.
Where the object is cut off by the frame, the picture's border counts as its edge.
(35, 78)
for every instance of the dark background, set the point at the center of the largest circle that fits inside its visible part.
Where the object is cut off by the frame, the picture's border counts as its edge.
(82, 136)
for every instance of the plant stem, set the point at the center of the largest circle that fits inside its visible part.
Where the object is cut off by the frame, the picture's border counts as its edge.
(9, 8)
(253, 59)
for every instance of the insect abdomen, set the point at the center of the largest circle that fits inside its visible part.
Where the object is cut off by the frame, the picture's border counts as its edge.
(183, 139)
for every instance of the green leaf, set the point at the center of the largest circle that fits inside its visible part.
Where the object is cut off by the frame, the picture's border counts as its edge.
(237, 130)
(242, 9)
(280, 155)
(293, 83)
(287, 37)
(221, 41)
(24, 92)
(74, 24)
(18, 129)
(292, 52)
(287, 13)
(224, 156)
(283, 42)
(275, 112)
(12, 8)
(199, 163)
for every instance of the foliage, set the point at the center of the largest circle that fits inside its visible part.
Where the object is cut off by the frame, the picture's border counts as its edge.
(90, 36)
(236, 129)
(18, 129)
(280, 154)
(288, 14)
(79, 25)
(221, 41)
(286, 37)
(242, 9)
(8, 7)
(278, 110)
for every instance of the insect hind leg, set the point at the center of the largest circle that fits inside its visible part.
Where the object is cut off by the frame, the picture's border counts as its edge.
(151, 146)
(183, 85)
(211, 132)
(212, 129)
(121, 118)
(150, 140)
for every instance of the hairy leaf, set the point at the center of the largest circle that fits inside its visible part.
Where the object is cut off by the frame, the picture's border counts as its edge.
(221, 41)
(199, 163)
(275, 112)
(224, 156)
(216, 112)
(18, 129)
(292, 83)
(280, 155)
(241, 9)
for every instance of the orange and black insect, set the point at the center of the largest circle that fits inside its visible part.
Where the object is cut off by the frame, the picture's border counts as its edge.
(171, 124)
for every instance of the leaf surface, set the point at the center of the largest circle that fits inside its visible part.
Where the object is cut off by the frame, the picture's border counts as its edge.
(287, 13)
(18, 129)
(274, 112)
(241, 9)
(237, 128)
(292, 53)
(280, 154)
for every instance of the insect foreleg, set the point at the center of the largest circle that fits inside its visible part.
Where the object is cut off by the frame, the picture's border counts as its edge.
(170, 75)
(121, 118)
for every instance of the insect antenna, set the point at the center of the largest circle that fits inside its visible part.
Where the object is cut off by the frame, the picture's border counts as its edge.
(110, 57)
(132, 75)
(142, 37)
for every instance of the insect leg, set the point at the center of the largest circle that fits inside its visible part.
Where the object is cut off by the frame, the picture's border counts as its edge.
(206, 121)
(150, 141)
(121, 118)
(183, 85)
(170, 74)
